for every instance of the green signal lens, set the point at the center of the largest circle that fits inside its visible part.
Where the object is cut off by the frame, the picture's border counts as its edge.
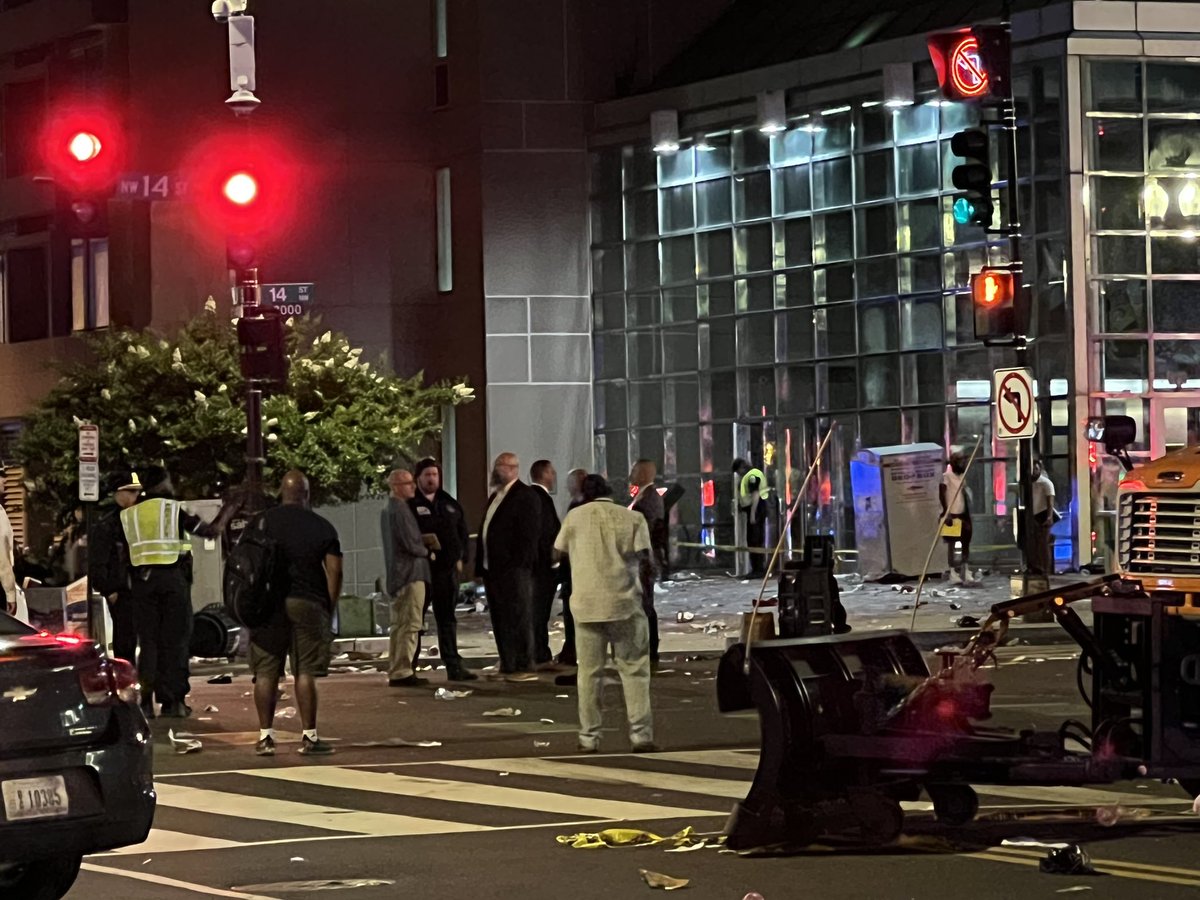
(963, 211)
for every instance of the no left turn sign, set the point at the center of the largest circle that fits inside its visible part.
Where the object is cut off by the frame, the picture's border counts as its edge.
(1013, 402)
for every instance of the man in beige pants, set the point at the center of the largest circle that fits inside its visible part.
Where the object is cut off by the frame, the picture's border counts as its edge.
(408, 575)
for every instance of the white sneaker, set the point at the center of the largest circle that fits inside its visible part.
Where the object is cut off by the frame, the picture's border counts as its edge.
(955, 578)
(659, 589)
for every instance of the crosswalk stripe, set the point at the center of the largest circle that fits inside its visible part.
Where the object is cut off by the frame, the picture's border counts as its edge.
(470, 792)
(662, 781)
(1074, 796)
(162, 841)
(726, 759)
(267, 809)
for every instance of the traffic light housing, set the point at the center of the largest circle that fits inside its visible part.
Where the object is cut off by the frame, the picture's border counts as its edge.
(993, 294)
(263, 356)
(973, 176)
(82, 148)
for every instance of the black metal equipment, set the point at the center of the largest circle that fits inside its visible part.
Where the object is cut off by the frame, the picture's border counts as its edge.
(809, 600)
(852, 725)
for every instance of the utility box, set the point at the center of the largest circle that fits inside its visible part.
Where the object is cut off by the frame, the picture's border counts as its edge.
(896, 507)
(207, 558)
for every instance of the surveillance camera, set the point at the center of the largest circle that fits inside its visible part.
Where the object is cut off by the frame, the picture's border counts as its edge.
(222, 10)
(243, 102)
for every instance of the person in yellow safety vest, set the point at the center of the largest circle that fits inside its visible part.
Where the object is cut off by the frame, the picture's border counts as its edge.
(155, 530)
(752, 503)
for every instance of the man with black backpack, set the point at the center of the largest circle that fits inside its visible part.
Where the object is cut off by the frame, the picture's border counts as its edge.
(302, 626)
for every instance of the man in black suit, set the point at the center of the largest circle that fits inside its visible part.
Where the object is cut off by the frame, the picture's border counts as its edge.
(504, 560)
(546, 572)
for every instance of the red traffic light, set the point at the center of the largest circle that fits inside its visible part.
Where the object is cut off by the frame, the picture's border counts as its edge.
(972, 63)
(241, 188)
(81, 148)
(992, 295)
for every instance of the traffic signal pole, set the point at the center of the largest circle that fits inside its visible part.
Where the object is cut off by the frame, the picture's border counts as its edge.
(246, 293)
(1022, 311)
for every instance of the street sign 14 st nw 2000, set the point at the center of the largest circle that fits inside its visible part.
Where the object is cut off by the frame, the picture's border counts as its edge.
(1013, 403)
(291, 299)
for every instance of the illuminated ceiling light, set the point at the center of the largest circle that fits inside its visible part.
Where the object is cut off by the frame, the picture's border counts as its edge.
(84, 146)
(837, 110)
(1155, 199)
(664, 130)
(702, 144)
(1189, 198)
(772, 112)
(898, 89)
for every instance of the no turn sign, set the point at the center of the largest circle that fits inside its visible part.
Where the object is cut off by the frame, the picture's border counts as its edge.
(1013, 402)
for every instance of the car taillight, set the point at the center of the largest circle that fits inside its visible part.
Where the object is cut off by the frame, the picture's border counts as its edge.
(108, 680)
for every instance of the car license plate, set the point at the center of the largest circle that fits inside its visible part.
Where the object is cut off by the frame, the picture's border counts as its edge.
(35, 798)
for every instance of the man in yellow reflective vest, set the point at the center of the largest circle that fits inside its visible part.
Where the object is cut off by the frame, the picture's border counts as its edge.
(752, 503)
(155, 530)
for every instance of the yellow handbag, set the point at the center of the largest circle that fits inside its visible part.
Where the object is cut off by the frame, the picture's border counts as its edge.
(952, 528)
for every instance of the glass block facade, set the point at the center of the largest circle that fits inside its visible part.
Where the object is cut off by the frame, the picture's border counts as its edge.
(1142, 160)
(753, 291)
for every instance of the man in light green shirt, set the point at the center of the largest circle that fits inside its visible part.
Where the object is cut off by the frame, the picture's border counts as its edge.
(603, 541)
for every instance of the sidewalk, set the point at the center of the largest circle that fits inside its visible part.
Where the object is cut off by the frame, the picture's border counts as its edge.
(699, 614)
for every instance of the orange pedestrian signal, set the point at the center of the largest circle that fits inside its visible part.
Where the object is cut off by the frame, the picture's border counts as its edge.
(992, 294)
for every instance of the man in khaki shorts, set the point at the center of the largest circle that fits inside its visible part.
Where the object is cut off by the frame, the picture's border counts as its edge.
(303, 628)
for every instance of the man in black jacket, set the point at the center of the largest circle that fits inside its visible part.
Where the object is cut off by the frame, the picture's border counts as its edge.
(546, 573)
(504, 559)
(109, 564)
(440, 515)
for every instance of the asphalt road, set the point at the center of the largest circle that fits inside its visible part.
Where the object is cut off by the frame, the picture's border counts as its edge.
(477, 815)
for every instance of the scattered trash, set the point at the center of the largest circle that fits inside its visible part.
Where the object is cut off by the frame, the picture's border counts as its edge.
(147, 859)
(288, 712)
(546, 721)
(506, 711)
(954, 605)
(715, 627)
(967, 622)
(665, 672)
(561, 696)
(223, 678)
(1196, 806)
(1074, 890)
(480, 606)
(1069, 860)
(684, 616)
(625, 837)
(362, 655)
(1108, 816)
(431, 651)
(341, 656)
(502, 774)
(538, 745)
(211, 708)
(297, 859)
(184, 742)
(659, 880)
(753, 895)
(445, 694)
(1031, 844)
(397, 742)
(247, 693)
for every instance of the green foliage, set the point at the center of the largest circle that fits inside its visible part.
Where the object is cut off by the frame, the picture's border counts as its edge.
(179, 403)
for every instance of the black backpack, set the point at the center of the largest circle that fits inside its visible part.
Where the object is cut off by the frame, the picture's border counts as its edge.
(256, 576)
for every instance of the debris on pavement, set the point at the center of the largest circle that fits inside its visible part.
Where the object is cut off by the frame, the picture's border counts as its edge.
(1108, 816)
(223, 678)
(967, 622)
(396, 742)
(1031, 844)
(659, 880)
(546, 721)
(684, 616)
(446, 694)
(505, 711)
(288, 712)
(1074, 890)
(297, 859)
(324, 884)
(1069, 860)
(540, 745)
(211, 708)
(361, 655)
(561, 696)
(184, 742)
(1196, 806)
(627, 837)
(954, 605)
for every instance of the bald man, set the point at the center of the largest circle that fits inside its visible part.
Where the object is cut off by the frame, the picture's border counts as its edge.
(302, 628)
(505, 556)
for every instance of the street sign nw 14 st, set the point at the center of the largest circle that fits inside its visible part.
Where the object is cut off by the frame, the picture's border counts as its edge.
(1015, 411)
(291, 299)
(150, 186)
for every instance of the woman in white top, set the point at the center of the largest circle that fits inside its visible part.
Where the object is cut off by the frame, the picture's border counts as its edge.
(953, 496)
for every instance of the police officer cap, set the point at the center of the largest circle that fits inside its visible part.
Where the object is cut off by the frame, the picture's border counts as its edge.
(122, 480)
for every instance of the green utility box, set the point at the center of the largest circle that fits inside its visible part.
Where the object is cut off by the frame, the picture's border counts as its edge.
(355, 617)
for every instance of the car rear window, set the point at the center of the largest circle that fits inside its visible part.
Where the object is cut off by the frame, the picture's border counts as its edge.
(9, 625)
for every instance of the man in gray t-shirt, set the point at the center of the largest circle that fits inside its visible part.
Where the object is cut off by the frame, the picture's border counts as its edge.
(408, 574)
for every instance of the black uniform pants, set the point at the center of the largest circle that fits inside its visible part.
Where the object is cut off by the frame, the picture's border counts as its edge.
(545, 586)
(162, 609)
(647, 579)
(510, 597)
(566, 656)
(442, 595)
(124, 636)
